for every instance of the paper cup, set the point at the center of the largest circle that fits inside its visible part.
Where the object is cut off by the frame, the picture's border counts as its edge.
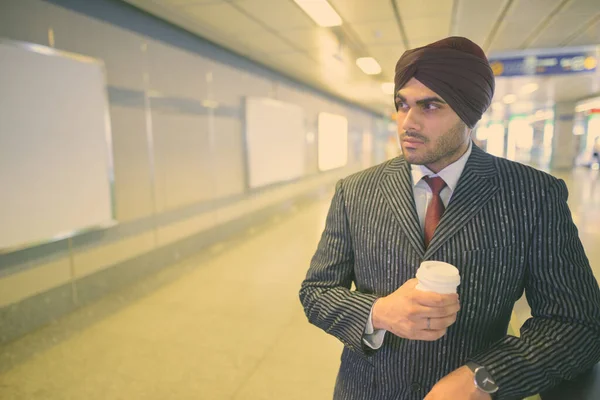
(438, 277)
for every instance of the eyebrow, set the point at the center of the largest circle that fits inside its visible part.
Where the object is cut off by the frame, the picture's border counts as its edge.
(427, 100)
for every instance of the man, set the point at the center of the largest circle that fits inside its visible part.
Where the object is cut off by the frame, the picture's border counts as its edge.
(505, 226)
(596, 150)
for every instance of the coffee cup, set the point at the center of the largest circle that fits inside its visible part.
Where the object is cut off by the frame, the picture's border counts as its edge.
(438, 277)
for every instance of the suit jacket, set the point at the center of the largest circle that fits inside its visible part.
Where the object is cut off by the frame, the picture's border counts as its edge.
(507, 229)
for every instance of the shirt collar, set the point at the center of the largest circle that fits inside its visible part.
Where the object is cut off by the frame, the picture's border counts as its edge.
(450, 174)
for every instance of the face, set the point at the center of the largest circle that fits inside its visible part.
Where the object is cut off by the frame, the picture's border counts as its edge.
(430, 132)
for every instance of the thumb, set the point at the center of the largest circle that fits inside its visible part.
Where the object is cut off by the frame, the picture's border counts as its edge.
(407, 287)
(411, 283)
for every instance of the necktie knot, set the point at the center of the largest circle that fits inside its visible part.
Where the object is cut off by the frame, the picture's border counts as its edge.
(436, 184)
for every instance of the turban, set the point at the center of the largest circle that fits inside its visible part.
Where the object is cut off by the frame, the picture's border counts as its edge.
(456, 69)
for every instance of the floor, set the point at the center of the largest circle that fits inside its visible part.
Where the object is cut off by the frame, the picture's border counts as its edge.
(224, 325)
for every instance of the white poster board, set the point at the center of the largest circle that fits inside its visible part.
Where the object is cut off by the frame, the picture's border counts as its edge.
(55, 145)
(275, 141)
(333, 141)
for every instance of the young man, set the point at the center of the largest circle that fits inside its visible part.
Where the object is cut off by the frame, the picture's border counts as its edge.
(505, 226)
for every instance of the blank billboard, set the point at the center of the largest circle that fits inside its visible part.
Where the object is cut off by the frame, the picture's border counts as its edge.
(333, 141)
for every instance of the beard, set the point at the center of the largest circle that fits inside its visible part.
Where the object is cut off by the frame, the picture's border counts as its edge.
(441, 148)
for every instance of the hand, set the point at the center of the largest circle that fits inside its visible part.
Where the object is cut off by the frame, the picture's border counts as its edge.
(405, 312)
(458, 385)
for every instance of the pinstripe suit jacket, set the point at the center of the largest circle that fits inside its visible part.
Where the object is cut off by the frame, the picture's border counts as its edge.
(508, 229)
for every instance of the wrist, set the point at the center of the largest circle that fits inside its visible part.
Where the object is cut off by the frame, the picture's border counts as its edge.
(482, 380)
(376, 315)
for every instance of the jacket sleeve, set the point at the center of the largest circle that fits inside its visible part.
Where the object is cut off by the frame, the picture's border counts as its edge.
(562, 339)
(325, 293)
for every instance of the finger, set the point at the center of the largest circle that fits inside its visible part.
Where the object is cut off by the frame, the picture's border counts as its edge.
(410, 284)
(435, 324)
(430, 336)
(443, 312)
(431, 299)
(417, 311)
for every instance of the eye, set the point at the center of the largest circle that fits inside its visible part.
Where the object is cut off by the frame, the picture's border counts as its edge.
(431, 106)
(402, 106)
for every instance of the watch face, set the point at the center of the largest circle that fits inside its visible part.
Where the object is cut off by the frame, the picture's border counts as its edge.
(485, 381)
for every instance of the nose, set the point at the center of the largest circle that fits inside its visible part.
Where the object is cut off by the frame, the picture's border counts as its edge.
(410, 122)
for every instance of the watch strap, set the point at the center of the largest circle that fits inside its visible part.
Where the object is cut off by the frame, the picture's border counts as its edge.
(472, 366)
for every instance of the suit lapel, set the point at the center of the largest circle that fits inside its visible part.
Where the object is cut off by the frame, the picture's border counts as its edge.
(398, 191)
(477, 184)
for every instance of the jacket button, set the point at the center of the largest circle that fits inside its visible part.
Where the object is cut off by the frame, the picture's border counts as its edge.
(415, 387)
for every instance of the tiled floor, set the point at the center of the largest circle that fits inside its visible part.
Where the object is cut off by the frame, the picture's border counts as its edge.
(228, 326)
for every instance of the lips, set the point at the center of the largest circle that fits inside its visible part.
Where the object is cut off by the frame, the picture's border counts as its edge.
(412, 142)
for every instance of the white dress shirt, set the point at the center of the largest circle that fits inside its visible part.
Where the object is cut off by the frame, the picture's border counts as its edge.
(422, 193)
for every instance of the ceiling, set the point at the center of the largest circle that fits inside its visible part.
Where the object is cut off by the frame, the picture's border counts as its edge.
(278, 34)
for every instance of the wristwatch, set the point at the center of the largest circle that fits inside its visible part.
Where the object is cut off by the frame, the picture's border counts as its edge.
(483, 380)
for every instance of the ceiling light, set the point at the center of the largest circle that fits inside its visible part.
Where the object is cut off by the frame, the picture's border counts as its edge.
(388, 87)
(529, 88)
(588, 105)
(369, 65)
(509, 98)
(321, 12)
(541, 115)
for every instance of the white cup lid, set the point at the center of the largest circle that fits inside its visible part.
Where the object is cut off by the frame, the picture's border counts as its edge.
(439, 272)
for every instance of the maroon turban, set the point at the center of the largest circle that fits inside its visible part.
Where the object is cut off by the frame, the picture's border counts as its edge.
(456, 69)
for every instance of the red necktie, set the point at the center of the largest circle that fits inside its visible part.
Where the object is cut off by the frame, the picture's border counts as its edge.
(436, 207)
